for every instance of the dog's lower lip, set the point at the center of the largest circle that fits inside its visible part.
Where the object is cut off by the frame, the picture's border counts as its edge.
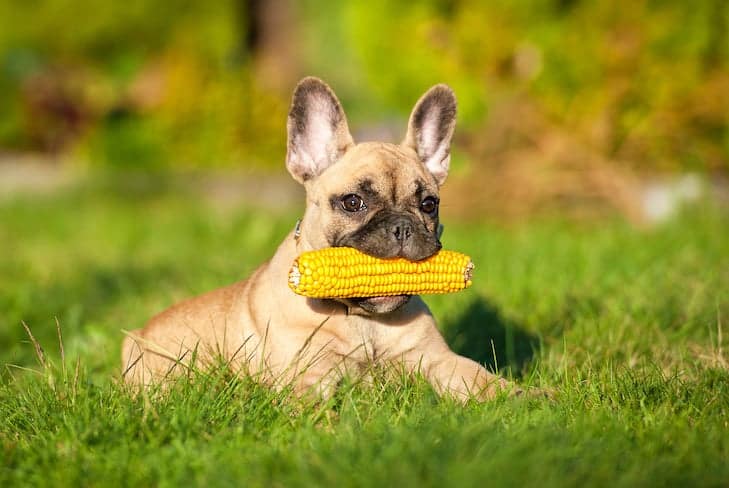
(385, 298)
(391, 301)
(385, 304)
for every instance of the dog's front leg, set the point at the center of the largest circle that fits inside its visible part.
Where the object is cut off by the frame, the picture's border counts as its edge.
(462, 378)
(319, 380)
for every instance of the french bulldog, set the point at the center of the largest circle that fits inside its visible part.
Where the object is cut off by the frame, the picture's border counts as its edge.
(380, 198)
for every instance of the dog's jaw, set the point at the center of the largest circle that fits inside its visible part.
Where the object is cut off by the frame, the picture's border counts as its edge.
(377, 305)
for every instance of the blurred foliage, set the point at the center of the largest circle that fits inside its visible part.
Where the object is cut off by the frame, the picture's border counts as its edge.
(179, 83)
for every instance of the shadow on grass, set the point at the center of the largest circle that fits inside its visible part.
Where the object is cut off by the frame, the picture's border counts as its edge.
(481, 333)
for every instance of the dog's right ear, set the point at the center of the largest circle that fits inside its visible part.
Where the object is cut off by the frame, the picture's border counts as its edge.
(431, 128)
(318, 134)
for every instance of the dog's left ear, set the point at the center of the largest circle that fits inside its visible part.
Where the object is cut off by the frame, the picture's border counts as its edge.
(430, 130)
(318, 134)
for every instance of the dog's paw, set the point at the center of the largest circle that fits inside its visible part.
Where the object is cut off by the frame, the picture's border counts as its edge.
(512, 390)
(535, 393)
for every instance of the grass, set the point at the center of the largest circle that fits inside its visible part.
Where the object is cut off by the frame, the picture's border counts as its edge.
(625, 325)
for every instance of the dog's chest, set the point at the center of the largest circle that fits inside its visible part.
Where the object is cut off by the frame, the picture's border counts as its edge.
(365, 340)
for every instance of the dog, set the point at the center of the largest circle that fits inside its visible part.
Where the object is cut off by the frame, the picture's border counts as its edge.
(380, 198)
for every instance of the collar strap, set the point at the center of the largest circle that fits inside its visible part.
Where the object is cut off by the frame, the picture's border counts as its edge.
(297, 230)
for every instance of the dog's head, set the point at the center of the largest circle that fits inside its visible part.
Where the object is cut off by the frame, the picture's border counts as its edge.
(377, 197)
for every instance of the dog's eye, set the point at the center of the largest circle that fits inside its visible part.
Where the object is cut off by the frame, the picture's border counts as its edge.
(353, 203)
(429, 205)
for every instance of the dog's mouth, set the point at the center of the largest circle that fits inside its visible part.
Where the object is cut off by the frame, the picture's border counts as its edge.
(380, 304)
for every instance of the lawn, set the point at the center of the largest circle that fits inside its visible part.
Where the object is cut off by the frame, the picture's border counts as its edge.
(624, 324)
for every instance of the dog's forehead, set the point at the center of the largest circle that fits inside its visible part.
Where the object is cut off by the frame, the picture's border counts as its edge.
(387, 169)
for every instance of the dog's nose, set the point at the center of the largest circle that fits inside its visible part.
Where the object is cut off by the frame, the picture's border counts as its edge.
(402, 230)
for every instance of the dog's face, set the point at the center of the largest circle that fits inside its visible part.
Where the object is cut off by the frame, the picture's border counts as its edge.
(379, 198)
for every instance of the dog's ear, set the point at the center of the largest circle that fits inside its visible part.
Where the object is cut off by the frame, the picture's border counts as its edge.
(430, 130)
(318, 134)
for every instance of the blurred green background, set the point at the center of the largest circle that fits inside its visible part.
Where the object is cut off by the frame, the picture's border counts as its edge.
(559, 100)
(142, 148)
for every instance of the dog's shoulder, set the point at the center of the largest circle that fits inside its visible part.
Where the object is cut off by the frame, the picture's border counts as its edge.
(210, 307)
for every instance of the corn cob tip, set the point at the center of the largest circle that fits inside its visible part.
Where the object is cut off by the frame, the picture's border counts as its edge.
(468, 273)
(294, 275)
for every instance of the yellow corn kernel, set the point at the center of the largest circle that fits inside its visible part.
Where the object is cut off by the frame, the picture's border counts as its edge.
(362, 276)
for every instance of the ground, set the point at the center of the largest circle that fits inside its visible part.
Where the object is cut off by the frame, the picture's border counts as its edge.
(623, 323)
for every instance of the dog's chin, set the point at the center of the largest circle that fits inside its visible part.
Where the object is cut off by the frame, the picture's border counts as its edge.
(379, 305)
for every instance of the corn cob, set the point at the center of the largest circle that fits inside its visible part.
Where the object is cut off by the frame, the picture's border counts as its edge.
(344, 272)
